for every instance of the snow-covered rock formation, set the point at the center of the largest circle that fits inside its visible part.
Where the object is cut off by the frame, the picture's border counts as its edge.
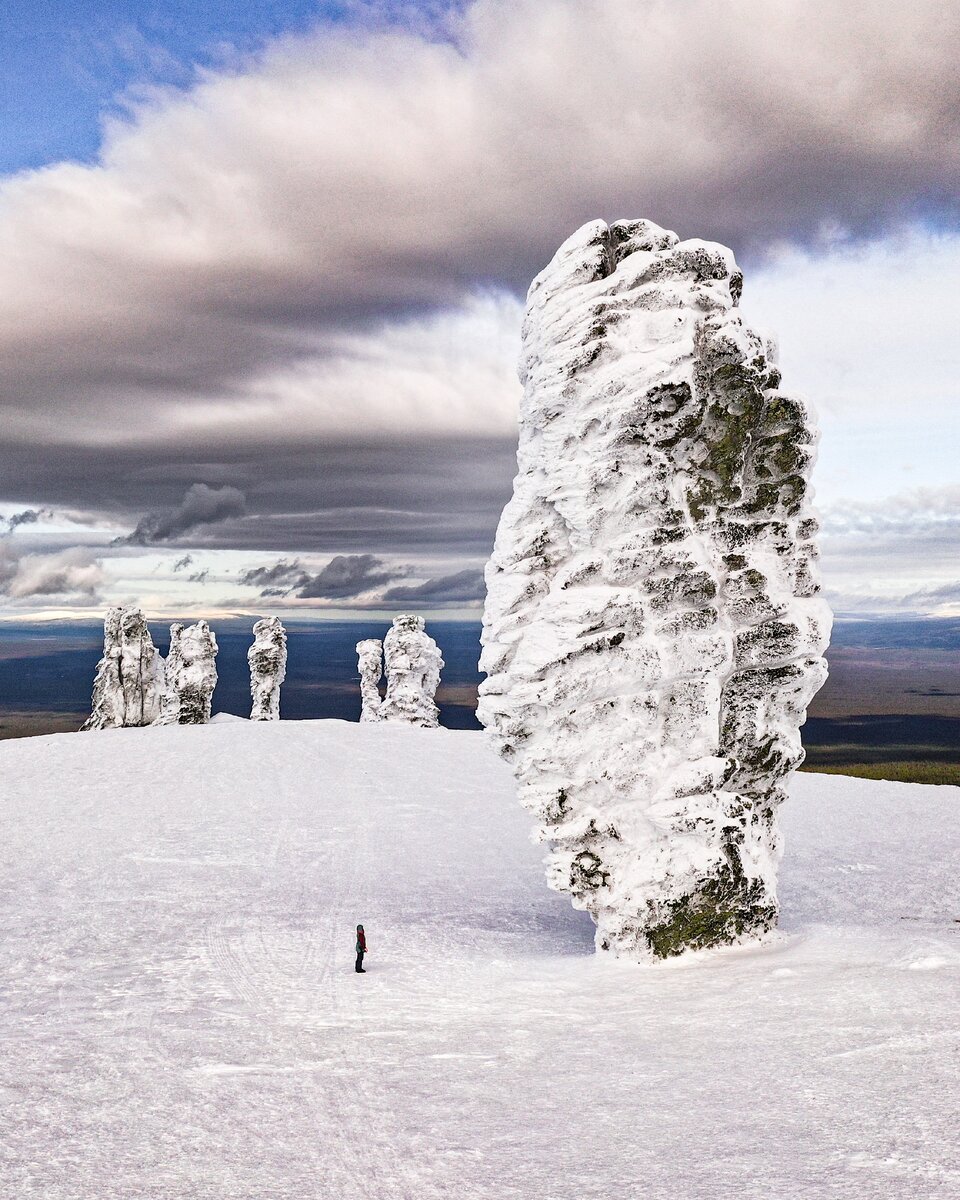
(129, 682)
(653, 631)
(169, 704)
(192, 671)
(413, 666)
(370, 662)
(268, 668)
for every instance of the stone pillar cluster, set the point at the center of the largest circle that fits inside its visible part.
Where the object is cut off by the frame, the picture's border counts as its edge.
(412, 661)
(135, 686)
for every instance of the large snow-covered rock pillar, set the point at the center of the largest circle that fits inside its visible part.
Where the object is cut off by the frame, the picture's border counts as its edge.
(267, 658)
(653, 631)
(129, 683)
(413, 666)
(192, 670)
(370, 663)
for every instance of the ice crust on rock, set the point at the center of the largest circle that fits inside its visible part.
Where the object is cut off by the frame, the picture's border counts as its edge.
(267, 658)
(192, 671)
(370, 663)
(129, 682)
(169, 704)
(653, 630)
(413, 665)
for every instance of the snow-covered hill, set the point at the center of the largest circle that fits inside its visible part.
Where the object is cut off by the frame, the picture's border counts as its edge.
(179, 1015)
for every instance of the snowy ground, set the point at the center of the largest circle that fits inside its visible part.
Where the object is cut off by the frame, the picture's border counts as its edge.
(179, 1016)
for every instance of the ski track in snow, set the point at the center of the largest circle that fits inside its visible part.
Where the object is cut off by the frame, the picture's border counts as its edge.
(179, 1015)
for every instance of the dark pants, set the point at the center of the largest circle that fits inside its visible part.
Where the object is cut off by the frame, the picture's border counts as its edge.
(359, 960)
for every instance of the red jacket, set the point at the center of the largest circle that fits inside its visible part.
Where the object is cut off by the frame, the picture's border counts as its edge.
(361, 942)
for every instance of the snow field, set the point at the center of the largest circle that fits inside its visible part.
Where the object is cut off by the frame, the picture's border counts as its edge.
(179, 1016)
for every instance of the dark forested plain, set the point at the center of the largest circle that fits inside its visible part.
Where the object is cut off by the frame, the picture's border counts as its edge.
(893, 695)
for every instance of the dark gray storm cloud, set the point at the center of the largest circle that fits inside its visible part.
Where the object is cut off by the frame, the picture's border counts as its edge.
(299, 282)
(345, 576)
(277, 579)
(392, 173)
(29, 516)
(407, 497)
(461, 587)
(201, 505)
(342, 578)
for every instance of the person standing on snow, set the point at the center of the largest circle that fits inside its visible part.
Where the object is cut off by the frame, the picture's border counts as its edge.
(361, 949)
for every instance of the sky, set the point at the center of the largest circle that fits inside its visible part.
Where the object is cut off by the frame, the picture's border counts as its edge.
(262, 269)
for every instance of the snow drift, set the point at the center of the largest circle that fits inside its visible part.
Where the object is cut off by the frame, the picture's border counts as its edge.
(653, 630)
(180, 1017)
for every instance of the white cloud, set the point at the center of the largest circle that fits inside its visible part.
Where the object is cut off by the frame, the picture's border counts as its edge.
(452, 372)
(357, 173)
(921, 513)
(74, 574)
(868, 333)
(899, 553)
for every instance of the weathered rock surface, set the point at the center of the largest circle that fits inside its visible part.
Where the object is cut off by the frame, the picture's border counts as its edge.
(267, 658)
(129, 682)
(169, 706)
(370, 663)
(653, 630)
(413, 666)
(192, 671)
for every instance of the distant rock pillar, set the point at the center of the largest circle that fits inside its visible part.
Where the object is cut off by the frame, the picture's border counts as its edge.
(192, 670)
(413, 666)
(129, 683)
(268, 668)
(370, 662)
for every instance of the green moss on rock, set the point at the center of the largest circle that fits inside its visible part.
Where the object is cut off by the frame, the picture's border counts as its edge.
(720, 912)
